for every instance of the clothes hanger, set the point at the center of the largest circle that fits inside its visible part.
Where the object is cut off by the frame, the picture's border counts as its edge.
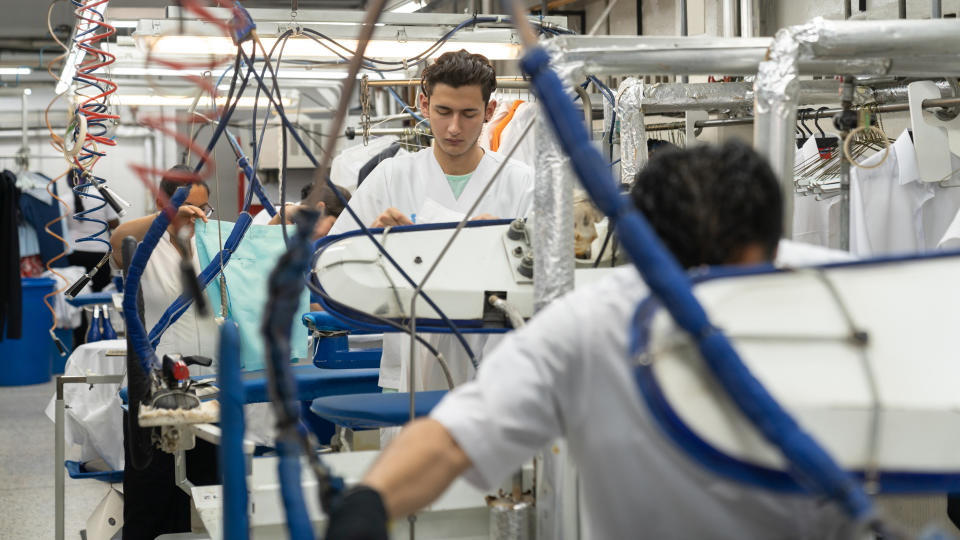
(825, 145)
(805, 132)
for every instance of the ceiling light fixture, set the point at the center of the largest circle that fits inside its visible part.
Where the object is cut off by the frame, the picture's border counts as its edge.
(15, 71)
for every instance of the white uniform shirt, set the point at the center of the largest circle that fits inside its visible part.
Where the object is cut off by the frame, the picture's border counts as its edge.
(892, 211)
(161, 285)
(416, 185)
(568, 374)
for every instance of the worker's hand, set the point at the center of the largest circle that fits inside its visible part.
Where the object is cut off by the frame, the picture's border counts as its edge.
(391, 217)
(188, 213)
(483, 217)
(358, 515)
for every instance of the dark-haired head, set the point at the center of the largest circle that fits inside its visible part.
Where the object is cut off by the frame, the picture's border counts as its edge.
(457, 69)
(712, 204)
(332, 206)
(177, 176)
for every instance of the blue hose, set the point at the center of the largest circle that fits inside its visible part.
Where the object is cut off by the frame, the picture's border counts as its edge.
(291, 491)
(233, 466)
(283, 288)
(671, 285)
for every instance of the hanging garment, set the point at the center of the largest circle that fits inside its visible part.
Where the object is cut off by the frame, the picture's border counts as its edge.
(345, 168)
(417, 186)
(502, 124)
(29, 244)
(815, 222)
(892, 211)
(371, 164)
(246, 276)
(526, 152)
(486, 132)
(38, 209)
(10, 289)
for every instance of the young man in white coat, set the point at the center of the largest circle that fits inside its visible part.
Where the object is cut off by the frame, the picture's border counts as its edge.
(440, 184)
(568, 373)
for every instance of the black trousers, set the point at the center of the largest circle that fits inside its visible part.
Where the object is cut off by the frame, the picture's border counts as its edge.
(152, 503)
(953, 508)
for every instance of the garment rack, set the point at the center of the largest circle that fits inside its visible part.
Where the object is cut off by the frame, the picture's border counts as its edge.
(808, 115)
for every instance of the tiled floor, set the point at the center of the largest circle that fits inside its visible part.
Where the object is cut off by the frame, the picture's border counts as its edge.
(26, 470)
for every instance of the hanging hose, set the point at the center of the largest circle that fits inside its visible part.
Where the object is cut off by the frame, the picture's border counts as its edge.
(671, 285)
(284, 287)
(233, 465)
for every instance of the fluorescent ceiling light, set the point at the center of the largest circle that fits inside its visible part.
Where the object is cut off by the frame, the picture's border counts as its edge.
(16, 71)
(186, 101)
(179, 46)
(408, 7)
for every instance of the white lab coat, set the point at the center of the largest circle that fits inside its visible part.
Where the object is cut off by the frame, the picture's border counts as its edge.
(416, 185)
(568, 374)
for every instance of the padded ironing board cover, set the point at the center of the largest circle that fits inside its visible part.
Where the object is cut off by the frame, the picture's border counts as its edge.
(369, 411)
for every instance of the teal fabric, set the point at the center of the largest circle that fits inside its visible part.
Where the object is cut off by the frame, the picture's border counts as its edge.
(457, 183)
(246, 276)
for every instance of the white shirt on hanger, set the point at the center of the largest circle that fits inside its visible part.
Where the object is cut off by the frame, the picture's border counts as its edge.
(886, 203)
(345, 168)
(892, 210)
(815, 222)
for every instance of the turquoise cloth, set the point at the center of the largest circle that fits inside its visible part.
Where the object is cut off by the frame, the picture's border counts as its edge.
(457, 183)
(246, 275)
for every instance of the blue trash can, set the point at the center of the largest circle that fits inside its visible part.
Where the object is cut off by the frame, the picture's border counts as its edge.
(27, 360)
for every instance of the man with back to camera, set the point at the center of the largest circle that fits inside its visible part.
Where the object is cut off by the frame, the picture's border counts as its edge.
(440, 184)
(568, 373)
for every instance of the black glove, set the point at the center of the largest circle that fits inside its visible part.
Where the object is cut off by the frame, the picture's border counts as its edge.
(358, 515)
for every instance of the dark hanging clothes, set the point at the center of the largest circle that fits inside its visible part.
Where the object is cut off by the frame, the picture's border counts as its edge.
(11, 298)
(38, 213)
(370, 165)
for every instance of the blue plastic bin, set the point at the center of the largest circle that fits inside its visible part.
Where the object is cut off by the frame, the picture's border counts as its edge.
(27, 360)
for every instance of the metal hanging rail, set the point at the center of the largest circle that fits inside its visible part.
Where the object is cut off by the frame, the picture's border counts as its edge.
(502, 82)
(824, 113)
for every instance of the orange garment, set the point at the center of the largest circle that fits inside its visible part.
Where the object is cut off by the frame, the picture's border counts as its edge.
(495, 137)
